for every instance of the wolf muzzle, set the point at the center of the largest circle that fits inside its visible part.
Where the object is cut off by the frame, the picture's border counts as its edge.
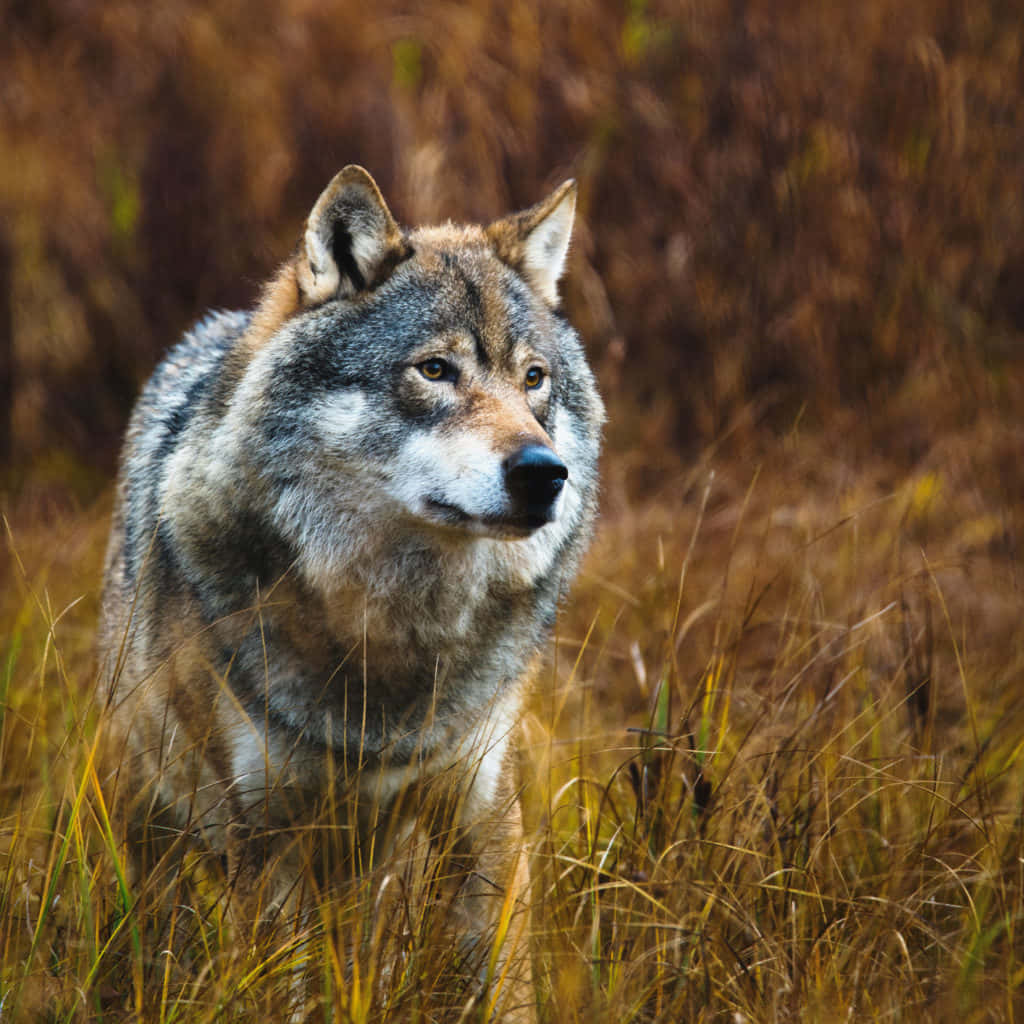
(535, 476)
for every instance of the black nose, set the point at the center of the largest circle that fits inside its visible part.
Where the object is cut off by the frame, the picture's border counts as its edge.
(534, 476)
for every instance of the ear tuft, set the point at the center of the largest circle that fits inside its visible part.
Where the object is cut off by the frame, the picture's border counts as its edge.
(351, 243)
(536, 241)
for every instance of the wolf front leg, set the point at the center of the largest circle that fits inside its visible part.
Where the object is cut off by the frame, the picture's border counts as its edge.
(272, 898)
(464, 904)
(501, 884)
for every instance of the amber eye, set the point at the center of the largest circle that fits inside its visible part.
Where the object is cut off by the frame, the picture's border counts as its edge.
(534, 378)
(435, 369)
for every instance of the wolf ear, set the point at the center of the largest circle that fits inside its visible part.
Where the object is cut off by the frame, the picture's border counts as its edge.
(351, 243)
(536, 241)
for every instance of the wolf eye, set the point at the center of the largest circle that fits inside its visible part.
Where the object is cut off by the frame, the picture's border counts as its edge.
(534, 378)
(436, 369)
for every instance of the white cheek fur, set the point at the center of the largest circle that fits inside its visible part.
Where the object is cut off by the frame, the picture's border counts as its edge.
(340, 417)
(461, 470)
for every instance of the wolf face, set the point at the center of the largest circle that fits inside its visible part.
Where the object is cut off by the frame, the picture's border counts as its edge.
(441, 404)
(345, 520)
(481, 462)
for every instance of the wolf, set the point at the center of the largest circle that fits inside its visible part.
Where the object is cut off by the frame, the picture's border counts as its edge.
(343, 525)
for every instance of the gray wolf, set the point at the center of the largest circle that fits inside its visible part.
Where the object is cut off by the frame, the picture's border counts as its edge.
(343, 525)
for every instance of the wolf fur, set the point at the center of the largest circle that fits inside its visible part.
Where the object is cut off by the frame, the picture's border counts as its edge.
(340, 539)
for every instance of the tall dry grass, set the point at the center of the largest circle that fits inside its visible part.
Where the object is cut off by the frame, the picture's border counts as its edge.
(774, 772)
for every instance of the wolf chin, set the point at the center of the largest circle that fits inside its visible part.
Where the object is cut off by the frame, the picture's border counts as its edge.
(343, 525)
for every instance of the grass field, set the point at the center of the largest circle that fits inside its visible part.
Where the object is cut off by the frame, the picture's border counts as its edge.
(775, 770)
(774, 765)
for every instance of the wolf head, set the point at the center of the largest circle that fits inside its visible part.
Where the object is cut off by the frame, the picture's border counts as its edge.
(424, 381)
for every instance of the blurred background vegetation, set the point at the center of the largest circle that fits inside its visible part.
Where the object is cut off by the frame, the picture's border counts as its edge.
(793, 213)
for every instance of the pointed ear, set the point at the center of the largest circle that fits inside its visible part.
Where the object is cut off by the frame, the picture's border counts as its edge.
(351, 243)
(536, 241)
